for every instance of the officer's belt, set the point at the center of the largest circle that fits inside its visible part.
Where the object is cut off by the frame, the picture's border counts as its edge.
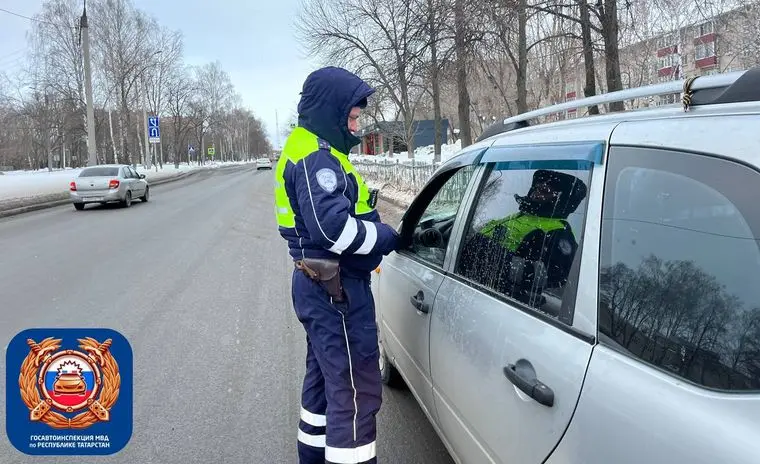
(323, 271)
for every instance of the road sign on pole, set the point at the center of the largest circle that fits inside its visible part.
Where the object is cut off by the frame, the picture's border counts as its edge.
(154, 130)
(211, 151)
(190, 148)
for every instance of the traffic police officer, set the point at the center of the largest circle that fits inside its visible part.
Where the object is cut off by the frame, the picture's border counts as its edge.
(336, 239)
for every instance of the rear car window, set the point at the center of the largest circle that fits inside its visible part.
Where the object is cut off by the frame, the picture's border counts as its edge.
(679, 266)
(99, 172)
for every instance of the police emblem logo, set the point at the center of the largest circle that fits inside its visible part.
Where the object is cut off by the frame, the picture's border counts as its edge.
(327, 180)
(68, 384)
(69, 381)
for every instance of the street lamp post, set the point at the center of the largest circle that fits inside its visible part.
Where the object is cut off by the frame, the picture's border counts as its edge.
(91, 148)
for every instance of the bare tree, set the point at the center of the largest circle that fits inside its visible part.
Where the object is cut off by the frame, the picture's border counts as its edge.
(214, 95)
(601, 18)
(138, 68)
(169, 43)
(178, 91)
(462, 55)
(55, 45)
(434, 16)
(379, 40)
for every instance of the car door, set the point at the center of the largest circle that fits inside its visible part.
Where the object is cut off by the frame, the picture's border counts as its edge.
(409, 279)
(126, 179)
(676, 374)
(138, 186)
(507, 360)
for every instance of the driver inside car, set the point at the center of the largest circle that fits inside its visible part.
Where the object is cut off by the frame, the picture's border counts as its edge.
(524, 253)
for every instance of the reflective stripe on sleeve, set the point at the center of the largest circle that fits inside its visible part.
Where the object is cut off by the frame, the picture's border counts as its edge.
(347, 236)
(370, 239)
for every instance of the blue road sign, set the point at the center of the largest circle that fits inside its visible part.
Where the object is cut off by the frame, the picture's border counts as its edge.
(190, 148)
(154, 131)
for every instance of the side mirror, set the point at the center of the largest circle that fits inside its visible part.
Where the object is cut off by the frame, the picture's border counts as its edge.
(142, 176)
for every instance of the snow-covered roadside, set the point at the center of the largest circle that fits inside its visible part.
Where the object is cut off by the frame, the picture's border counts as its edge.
(422, 155)
(393, 194)
(403, 191)
(23, 185)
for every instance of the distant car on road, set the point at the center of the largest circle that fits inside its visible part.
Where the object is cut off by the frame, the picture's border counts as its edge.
(108, 183)
(263, 163)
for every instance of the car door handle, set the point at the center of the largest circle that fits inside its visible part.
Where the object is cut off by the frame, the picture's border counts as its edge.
(523, 376)
(418, 301)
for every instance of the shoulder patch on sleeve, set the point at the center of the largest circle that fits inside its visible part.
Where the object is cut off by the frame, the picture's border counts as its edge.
(327, 180)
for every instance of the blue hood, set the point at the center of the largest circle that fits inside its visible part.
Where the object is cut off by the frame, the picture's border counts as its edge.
(326, 100)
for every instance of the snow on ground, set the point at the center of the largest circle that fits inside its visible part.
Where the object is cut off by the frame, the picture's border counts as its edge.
(399, 197)
(422, 155)
(27, 184)
(403, 193)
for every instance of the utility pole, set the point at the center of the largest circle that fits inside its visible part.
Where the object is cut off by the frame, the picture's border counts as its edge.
(92, 159)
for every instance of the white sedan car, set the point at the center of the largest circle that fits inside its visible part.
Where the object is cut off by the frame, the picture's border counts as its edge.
(263, 163)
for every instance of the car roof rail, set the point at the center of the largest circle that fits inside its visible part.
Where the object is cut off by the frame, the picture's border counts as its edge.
(733, 87)
(500, 127)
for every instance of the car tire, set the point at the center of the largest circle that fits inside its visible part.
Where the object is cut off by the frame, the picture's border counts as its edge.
(146, 197)
(79, 206)
(388, 373)
(127, 200)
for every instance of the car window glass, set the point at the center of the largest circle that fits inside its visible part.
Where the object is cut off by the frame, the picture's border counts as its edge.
(433, 230)
(104, 171)
(524, 233)
(679, 266)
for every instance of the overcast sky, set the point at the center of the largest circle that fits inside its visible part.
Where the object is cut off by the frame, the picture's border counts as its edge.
(253, 39)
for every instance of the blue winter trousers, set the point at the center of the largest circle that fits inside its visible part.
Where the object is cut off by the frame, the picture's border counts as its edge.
(342, 390)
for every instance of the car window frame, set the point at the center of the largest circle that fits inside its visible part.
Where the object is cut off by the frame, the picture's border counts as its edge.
(567, 309)
(422, 202)
(467, 158)
(566, 321)
(605, 242)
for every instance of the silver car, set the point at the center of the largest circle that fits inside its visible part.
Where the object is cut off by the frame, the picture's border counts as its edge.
(586, 291)
(108, 183)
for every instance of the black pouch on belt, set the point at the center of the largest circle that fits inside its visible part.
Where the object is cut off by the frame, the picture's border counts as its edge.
(326, 272)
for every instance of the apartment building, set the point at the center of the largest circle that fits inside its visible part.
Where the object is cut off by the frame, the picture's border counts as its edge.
(724, 43)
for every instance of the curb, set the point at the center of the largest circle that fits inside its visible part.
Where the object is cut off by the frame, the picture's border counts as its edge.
(389, 200)
(50, 204)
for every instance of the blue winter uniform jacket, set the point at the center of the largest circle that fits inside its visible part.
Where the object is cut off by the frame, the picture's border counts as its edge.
(323, 206)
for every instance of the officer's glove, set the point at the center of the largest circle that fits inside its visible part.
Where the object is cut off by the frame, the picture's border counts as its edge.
(403, 242)
(388, 238)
